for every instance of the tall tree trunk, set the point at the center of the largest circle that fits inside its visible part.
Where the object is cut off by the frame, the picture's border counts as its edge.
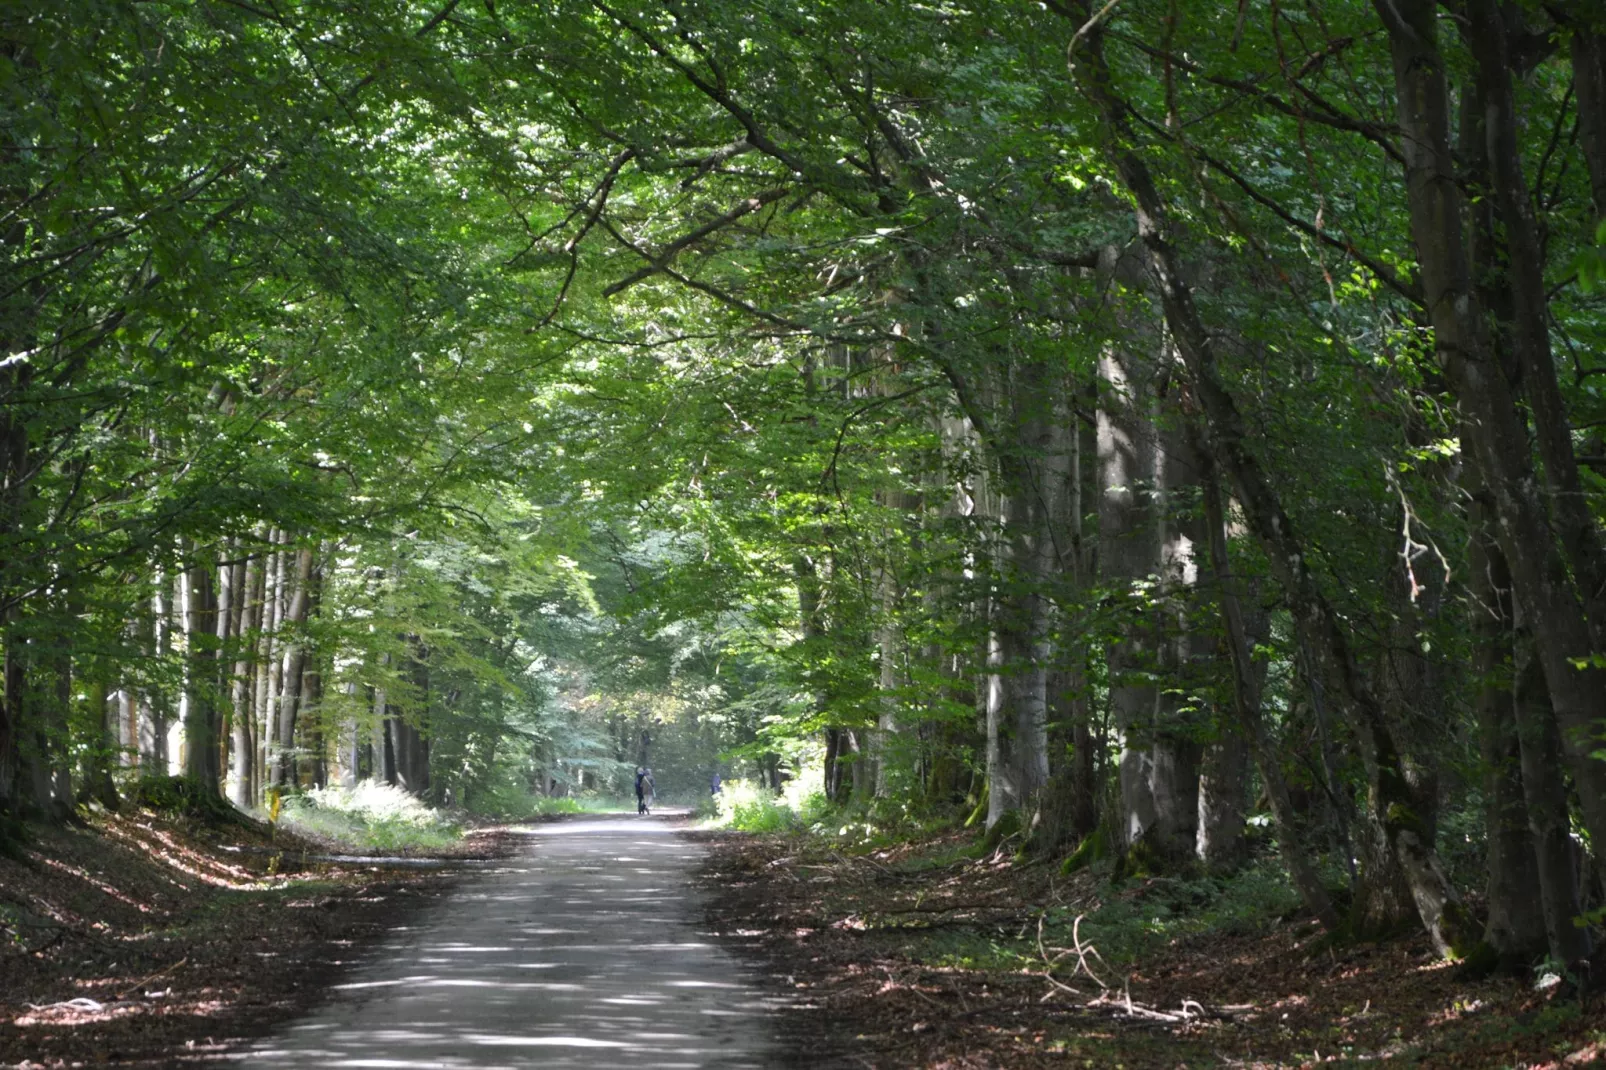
(1515, 928)
(270, 672)
(283, 765)
(200, 615)
(1246, 678)
(1494, 425)
(1539, 744)
(154, 732)
(1488, 35)
(1389, 799)
(1002, 796)
(243, 753)
(1158, 770)
(1128, 554)
(1589, 82)
(890, 651)
(384, 748)
(410, 733)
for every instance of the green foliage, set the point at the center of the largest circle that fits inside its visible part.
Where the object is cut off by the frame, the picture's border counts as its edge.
(1134, 919)
(184, 797)
(749, 807)
(370, 818)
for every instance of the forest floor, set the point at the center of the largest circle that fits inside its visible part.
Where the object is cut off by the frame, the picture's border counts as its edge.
(145, 939)
(926, 956)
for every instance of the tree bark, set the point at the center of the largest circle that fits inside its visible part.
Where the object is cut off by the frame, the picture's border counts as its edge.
(243, 753)
(1575, 527)
(1494, 426)
(1297, 855)
(201, 610)
(1516, 924)
(293, 626)
(1389, 799)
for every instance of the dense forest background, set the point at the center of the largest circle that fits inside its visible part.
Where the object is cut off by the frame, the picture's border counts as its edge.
(1145, 428)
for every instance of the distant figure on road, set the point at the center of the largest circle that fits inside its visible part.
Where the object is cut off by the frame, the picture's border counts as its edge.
(641, 790)
(713, 783)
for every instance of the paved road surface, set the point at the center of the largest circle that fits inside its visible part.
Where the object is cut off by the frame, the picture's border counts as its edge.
(585, 951)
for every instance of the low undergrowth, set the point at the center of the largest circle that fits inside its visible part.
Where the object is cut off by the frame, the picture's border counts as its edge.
(939, 952)
(370, 817)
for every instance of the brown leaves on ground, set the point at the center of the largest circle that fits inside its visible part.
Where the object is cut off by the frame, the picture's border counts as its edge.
(144, 941)
(866, 946)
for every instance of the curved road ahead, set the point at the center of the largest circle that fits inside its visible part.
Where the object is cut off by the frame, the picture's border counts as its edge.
(585, 951)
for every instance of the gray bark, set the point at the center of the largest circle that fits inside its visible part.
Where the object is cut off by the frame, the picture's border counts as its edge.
(1494, 426)
(1438, 904)
(242, 754)
(283, 764)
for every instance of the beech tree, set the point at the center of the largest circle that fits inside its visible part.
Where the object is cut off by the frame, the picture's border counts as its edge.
(1104, 423)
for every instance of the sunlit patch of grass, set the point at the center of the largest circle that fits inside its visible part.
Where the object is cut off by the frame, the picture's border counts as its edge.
(547, 806)
(750, 807)
(368, 817)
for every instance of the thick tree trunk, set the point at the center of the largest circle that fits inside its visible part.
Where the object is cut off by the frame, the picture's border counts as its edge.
(1142, 551)
(1515, 929)
(97, 783)
(201, 610)
(384, 748)
(1530, 335)
(49, 771)
(11, 801)
(1589, 83)
(269, 676)
(409, 734)
(1129, 553)
(1494, 426)
(1545, 793)
(1223, 796)
(1389, 800)
(890, 650)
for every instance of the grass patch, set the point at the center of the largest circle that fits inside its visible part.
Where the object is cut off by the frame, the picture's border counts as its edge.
(749, 807)
(368, 818)
(1137, 919)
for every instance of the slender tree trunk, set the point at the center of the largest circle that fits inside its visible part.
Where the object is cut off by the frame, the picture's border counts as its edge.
(295, 662)
(890, 650)
(1002, 796)
(243, 753)
(384, 749)
(153, 741)
(1297, 855)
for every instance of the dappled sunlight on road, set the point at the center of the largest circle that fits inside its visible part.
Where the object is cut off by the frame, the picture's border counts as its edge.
(585, 951)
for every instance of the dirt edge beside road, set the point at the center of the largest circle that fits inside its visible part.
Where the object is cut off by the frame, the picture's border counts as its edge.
(145, 940)
(926, 956)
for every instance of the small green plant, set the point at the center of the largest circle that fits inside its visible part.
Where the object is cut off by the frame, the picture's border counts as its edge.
(368, 817)
(746, 806)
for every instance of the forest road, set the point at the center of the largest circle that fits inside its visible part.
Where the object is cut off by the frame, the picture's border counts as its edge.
(584, 951)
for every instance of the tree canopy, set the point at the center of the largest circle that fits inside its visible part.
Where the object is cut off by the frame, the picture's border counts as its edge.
(1107, 422)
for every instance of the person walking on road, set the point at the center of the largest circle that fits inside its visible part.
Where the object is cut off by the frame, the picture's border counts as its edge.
(641, 790)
